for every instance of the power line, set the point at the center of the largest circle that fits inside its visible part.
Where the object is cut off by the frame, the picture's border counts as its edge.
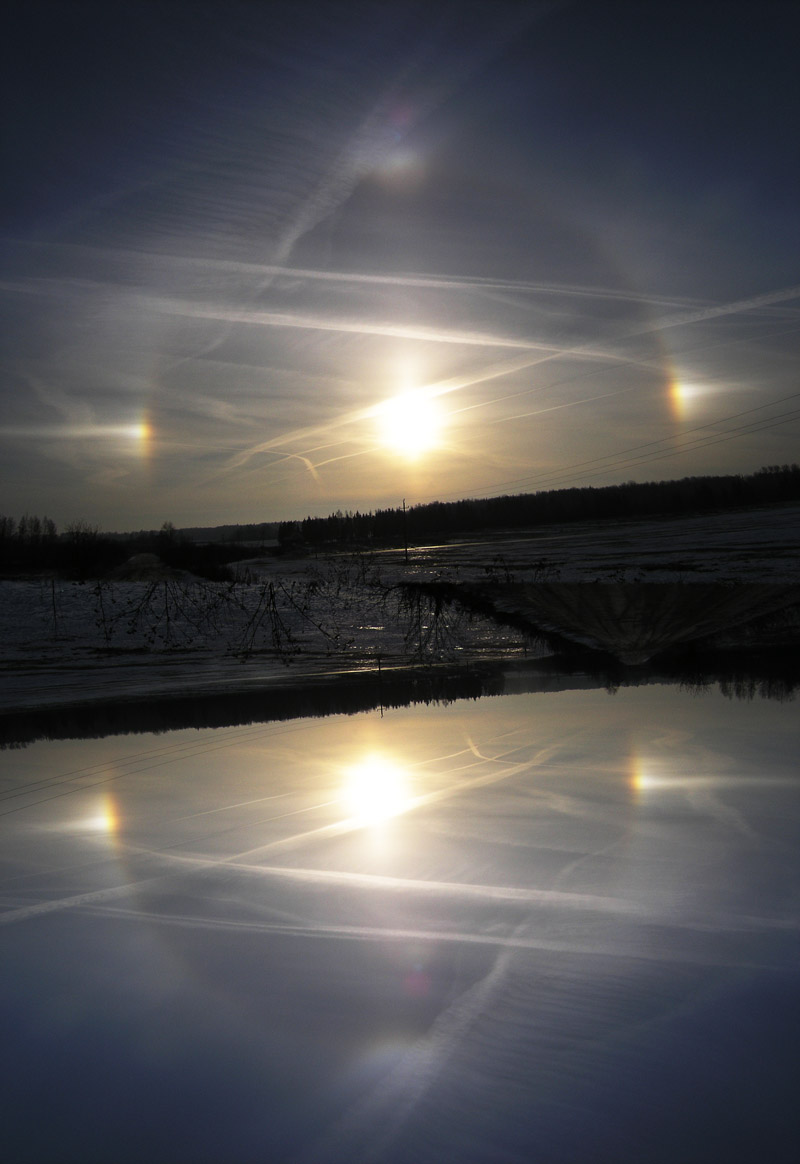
(621, 457)
(753, 426)
(566, 476)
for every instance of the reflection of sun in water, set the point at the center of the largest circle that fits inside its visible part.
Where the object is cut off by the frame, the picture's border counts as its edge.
(648, 776)
(410, 424)
(375, 790)
(641, 779)
(644, 777)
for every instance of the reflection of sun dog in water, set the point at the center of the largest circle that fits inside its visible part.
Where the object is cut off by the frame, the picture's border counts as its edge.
(106, 819)
(375, 790)
(103, 818)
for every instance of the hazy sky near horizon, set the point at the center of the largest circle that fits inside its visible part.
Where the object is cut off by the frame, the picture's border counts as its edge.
(267, 260)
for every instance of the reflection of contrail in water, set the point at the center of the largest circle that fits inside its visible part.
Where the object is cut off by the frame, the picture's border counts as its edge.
(514, 941)
(410, 887)
(388, 1105)
(144, 761)
(201, 865)
(733, 924)
(368, 1127)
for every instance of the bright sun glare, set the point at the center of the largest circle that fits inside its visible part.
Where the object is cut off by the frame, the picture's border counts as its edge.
(375, 790)
(410, 424)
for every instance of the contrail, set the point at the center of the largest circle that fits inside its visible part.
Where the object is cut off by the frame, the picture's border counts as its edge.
(376, 138)
(272, 271)
(525, 362)
(284, 319)
(738, 305)
(696, 315)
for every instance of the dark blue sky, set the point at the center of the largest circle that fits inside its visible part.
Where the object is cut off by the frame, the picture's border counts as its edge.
(233, 232)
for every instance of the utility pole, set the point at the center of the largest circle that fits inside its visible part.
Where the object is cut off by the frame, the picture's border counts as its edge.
(405, 528)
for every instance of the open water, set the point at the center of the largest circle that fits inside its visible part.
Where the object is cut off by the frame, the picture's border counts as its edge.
(552, 926)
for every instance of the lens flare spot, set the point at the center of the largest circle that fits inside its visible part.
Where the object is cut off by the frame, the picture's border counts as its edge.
(417, 982)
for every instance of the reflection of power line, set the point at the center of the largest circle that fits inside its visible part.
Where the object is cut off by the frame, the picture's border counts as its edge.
(134, 764)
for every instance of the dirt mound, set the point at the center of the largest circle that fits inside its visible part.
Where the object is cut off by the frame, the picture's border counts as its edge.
(147, 568)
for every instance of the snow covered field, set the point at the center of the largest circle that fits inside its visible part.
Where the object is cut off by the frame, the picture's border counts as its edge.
(285, 619)
(70, 642)
(754, 545)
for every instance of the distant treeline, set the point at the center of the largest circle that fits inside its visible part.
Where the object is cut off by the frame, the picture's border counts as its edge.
(32, 543)
(439, 519)
(255, 532)
(738, 675)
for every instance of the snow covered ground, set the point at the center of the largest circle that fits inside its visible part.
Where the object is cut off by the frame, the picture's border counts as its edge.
(753, 545)
(286, 619)
(70, 642)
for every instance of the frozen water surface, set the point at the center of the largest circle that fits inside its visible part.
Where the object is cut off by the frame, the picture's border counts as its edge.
(550, 927)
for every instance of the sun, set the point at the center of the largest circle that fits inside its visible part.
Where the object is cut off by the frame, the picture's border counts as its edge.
(410, 424)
